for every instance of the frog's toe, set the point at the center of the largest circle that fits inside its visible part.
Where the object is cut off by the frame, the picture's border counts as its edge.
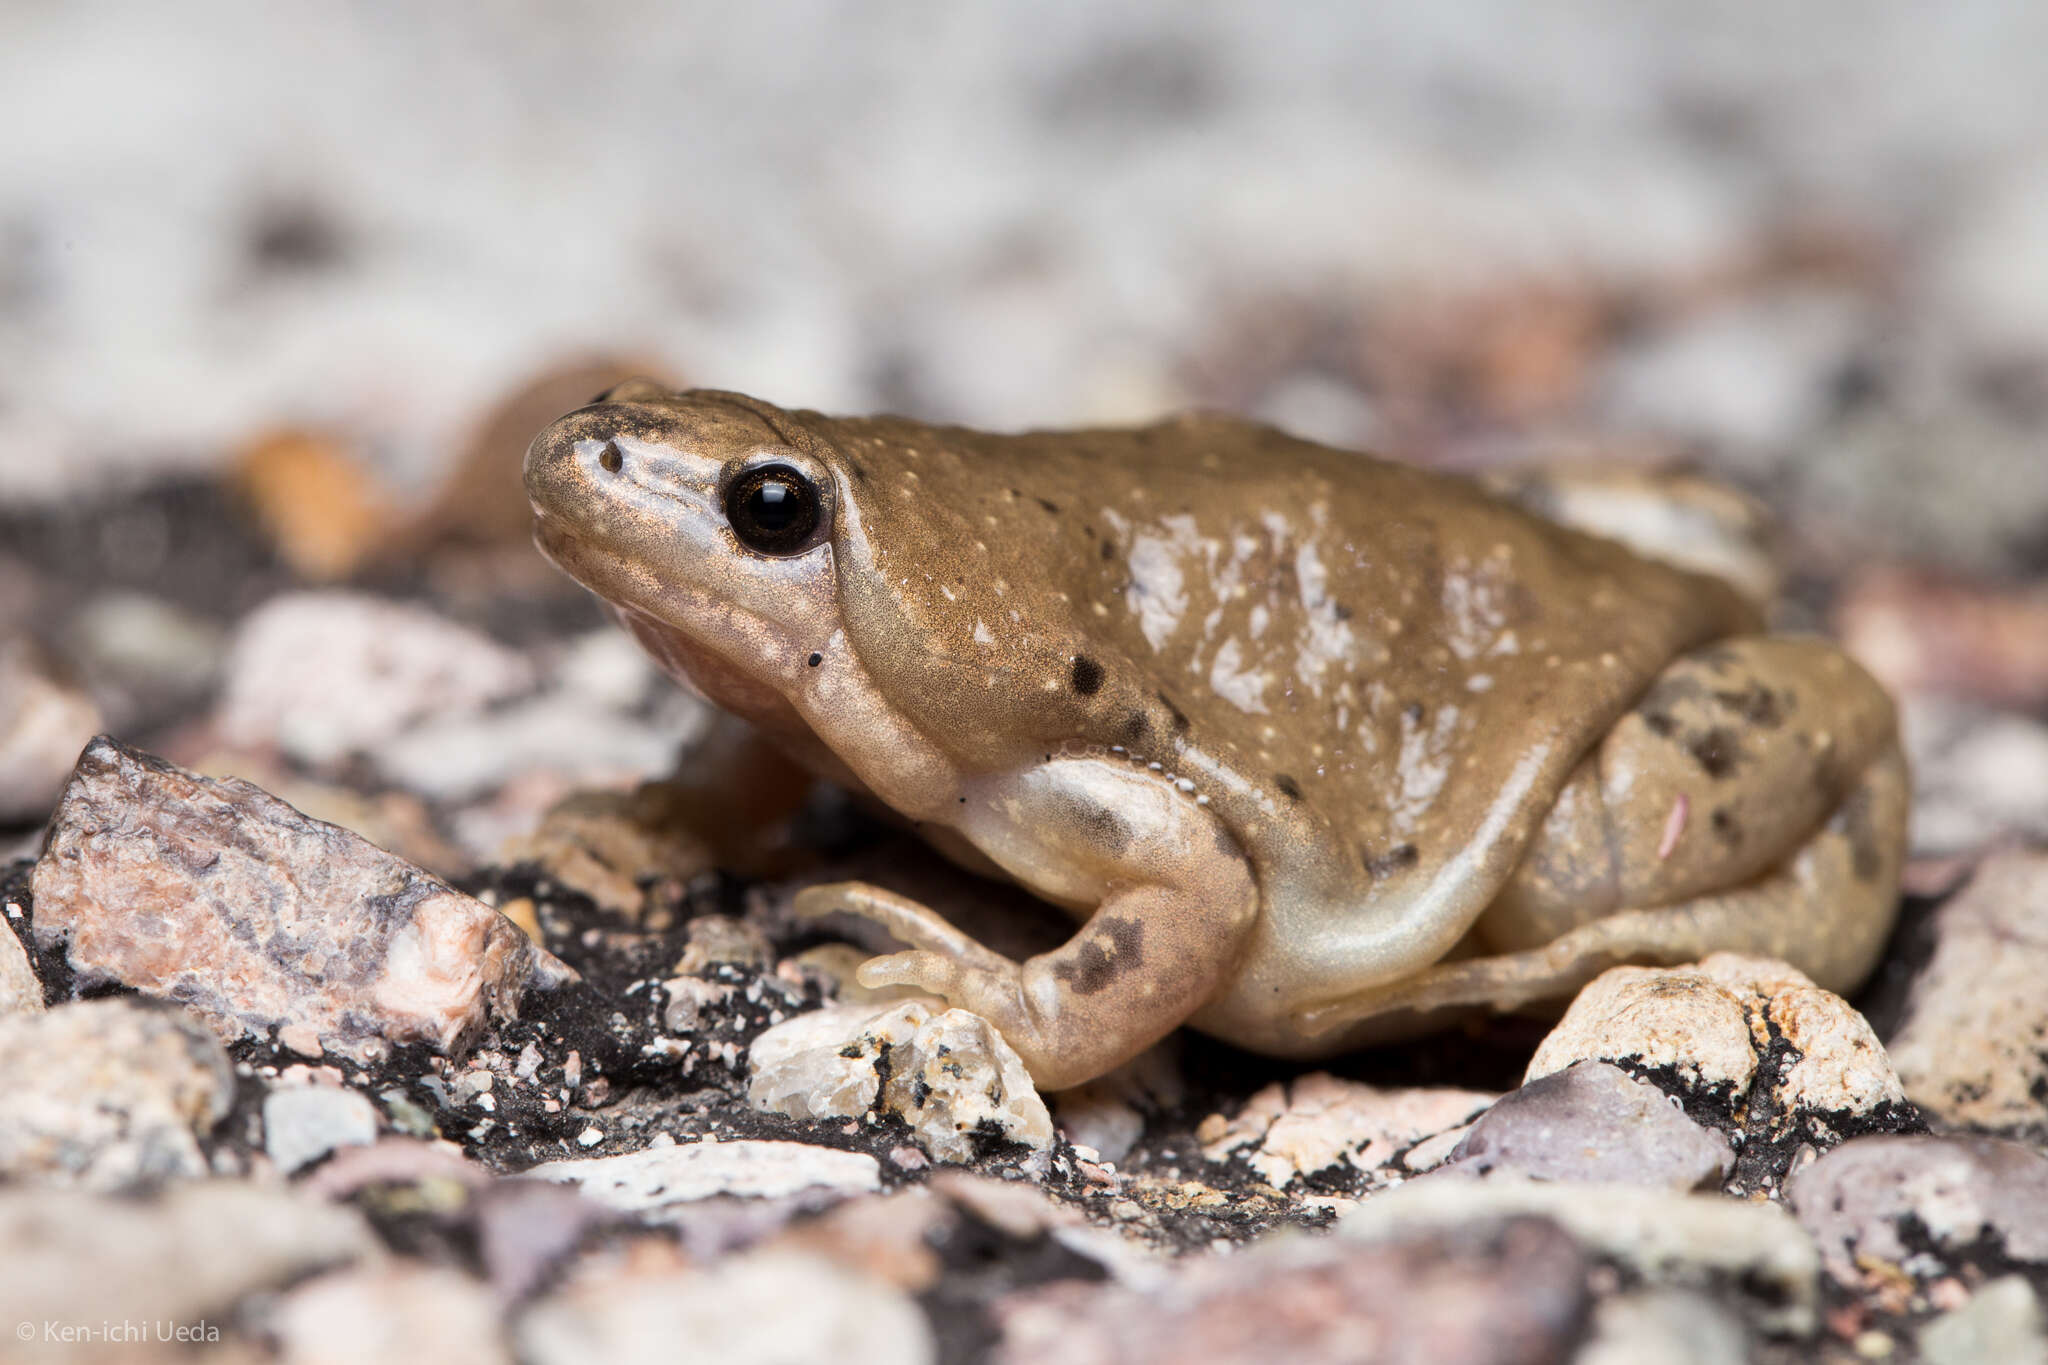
(932, 973)
(918, 925)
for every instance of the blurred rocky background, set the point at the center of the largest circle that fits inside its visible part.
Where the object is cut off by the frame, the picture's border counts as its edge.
(284, 291)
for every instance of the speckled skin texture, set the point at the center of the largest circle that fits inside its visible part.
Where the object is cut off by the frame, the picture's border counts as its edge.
(1323, 748)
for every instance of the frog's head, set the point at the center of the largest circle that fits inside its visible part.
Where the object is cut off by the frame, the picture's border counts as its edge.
(706, 521)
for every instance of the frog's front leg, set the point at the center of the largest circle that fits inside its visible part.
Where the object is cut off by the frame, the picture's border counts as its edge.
(1174, 904)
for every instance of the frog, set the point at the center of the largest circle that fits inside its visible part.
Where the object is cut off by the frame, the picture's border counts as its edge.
(1319, 750)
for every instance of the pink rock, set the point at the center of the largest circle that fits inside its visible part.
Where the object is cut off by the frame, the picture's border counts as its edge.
(220, 896)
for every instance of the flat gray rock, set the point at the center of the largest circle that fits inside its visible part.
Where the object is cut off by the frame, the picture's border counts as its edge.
(1593, 1121)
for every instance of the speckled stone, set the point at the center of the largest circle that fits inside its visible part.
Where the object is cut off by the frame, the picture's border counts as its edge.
(43, 724)
(949, 1074)
(1319, 1121)
(69, 1256)
(1593, 1121)
(221, 897)
(2002, 1322)
(1488, 1293)
(21, 992)
(323, 675)
(106, 1094)
(770, 1307)
(633, 1182)
(401, 1310)
(1667, 1239)
(1971, 1046)
(1854, 1199)
(1709, 1024)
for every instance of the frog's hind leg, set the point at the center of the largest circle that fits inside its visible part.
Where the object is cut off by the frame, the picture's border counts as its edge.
(1753, 801)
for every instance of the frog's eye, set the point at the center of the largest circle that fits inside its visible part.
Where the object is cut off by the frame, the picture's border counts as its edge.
(773, 510)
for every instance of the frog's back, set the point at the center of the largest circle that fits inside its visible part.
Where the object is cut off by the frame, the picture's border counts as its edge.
(1339, 653)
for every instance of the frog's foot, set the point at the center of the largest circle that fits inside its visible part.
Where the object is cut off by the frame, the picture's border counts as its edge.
(1599, 888)
(1081, 1009)
(1176, 902)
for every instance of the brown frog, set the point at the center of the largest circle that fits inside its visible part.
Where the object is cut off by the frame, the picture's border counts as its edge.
(1321, 750)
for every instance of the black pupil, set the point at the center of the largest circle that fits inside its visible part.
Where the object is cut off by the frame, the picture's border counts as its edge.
(775, 507)
(773, 511)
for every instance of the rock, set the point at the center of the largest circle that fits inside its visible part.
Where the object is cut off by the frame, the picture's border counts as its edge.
(1978, 775)
(394, 1161)
(1753, 1252)
(1503, 1291)
(184, 1257)
(153, 654)
(21, 992)
(1317, 1122)
(1667, 1326)
(1750, 377)
(231, 902)
(1594, 1122)
(2002, 1322)
(524, 1228)
(43, 724)
(302, 1123)
(320, 507)
(950, 1075)
(656, 1176)
(723, 939)
(1919, 634)
(1856, 1199)
(106, 1094)
(1107, 1114)
(1750, 1029)
(401, 1310)
(1971, 1045)
(325, 675)
(610, 845)
(767, 1308)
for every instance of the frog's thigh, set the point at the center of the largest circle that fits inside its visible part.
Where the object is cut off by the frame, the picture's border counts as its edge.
(1175, 900)
(1599, 893)
(1718, 775)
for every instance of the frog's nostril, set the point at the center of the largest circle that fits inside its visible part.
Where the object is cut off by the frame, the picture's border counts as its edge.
(611, 458)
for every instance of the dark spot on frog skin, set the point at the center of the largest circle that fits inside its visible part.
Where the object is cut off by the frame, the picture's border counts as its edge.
(1289, 788)
(1180, 720)
(1136, 727)
(1718, 751)
(815, 660)
(1114, 945)
(1108, 550)
(1048, 505)
(1087, 675)
(1413, 712)
(1399, 858)
(1341, 612)
(1756, 704)
(1661, 725)
(1105, 830)
(1726, 828)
